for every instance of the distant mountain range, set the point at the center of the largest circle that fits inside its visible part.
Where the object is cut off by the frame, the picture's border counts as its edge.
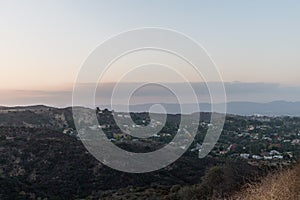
(275, 108)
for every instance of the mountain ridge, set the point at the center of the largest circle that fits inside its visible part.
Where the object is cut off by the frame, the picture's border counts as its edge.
(273, 108)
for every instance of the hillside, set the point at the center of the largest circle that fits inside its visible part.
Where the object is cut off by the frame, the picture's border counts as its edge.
(281, 185)
(44, 163)
(41, 156)
(36, 117)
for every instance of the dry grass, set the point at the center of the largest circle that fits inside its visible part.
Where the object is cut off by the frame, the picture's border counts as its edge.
(284, 185)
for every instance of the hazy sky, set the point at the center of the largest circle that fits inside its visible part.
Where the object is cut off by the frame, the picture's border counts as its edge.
(43, 43)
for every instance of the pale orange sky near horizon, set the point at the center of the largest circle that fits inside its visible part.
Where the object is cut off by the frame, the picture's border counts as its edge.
(44, 44)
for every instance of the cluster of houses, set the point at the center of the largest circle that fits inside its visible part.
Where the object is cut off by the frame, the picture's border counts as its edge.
(266, 156)
(254, 133)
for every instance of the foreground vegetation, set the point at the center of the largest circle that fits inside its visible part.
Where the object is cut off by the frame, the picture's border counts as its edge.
(281, 185)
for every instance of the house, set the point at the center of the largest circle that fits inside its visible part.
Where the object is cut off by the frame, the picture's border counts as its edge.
(196, 148)
(244, 155)
(251, 128)
(223, 152)
(182, 147)
(268, 157)
(102, 126)
(68, 131)
(256, 157)
(158, 123)
(295, 142)
(231, 147)
(9, 138)
(278, 157)
(290, 154)
(267, 138)
(156, 135)
(94, 127)
(274, 152)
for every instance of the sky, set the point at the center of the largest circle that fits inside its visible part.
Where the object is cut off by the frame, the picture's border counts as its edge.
(44, 43)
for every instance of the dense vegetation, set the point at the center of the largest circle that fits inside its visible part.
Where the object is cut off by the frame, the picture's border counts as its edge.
(280, 185)
(41, 157)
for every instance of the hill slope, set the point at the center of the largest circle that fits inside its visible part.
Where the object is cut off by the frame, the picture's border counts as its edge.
(284, 185)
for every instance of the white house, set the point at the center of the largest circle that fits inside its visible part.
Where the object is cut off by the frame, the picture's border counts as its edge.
(244, 155)
(256, 157)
